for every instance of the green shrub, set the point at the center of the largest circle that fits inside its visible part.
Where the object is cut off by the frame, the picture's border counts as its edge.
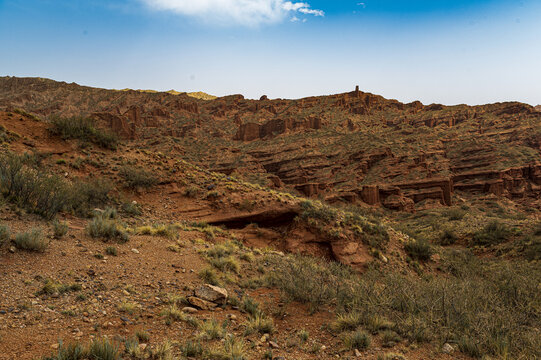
(260, 323)
(357, 340)
(209, 276)
(135, 177)
(60, 229)
(107, 229)
(31, 241)
(103, 349)
(494, 302)
(226, 264)
(5, 234)
(418, 249)
(25, 184)
(448, 237)
(53, 287)
(83, 129)
(211, 330)
(493, 233)
(132, 209)
(191, 349)
(69, 352)
(455, 214)
(111, 250)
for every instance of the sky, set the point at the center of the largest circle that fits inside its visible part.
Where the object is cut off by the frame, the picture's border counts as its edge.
(435, 51)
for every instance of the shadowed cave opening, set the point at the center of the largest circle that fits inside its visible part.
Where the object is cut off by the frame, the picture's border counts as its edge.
(268, 219)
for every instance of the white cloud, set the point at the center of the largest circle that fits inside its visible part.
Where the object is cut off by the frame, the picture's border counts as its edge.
(243, 12)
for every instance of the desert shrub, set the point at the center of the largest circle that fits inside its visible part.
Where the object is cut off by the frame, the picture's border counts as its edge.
(234, 349)
(455, 214)
(226, 264)
(493, 233)
(83, 129)
(103, 349)
(87, 195)
(209, 276)
(418, 249)
(5, 234)
(132, 209)
(260, 323)
(250, 306)
(108, 229)
(390, 338)
(69, 352)
(137, 178)
(191, 191)
(54, 287)
(27, 185)
(490, 304)
(391, 356)
(32, 240)
(211, 330)
(448, 237)
(303, 336)
(357, 340)
(191, 349)
(531, 247)
(310, 280)
(60, 228)
(111, 250)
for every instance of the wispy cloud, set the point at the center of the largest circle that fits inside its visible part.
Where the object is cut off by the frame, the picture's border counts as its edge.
(238, 12)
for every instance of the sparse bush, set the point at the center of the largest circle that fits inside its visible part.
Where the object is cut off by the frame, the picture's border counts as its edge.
(493, 233)
(127, 307)
(391, 356)
(172, 313)
(83, 129)
(303, 336)
(209, 276)
(142, 335)
(250, 306)
(448, 237)
(390, 338)
(211, 330)
(260, 323)
(492, 306)
(111, 250)
(418, 249)
(357, 340)
(137, 178)
(31, 241)
(103, 349)
(234, 349)
(25, 184)
(191, 349)
(69, 352)
(455, 214)
(132, 209)
(348, 321)
(60, 228)
(5, 234)
(226, 264)
(107, 229)
(191, 191)
(53, 287)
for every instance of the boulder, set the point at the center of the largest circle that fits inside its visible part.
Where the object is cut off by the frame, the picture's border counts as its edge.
(201, 304)
(212, 293)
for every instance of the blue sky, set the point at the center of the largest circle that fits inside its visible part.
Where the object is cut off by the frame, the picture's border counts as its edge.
(450, 52)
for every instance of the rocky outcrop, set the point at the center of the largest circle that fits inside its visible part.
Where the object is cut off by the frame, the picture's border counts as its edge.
(253, 131)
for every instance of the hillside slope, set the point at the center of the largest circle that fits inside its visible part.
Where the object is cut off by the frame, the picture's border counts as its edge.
(119, 208)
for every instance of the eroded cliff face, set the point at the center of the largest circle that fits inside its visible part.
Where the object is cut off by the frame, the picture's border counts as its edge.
(353, 147)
